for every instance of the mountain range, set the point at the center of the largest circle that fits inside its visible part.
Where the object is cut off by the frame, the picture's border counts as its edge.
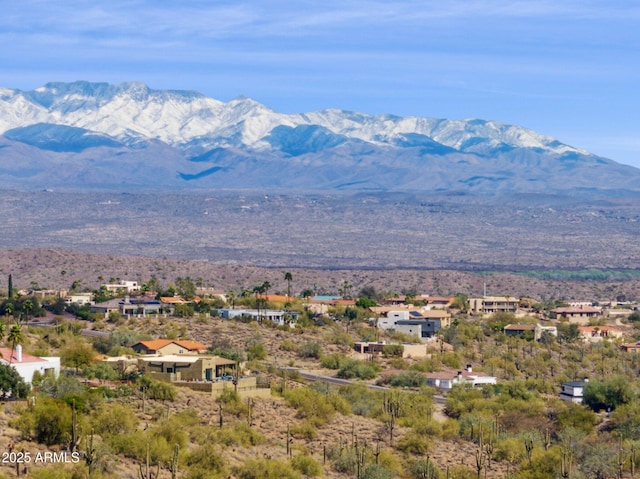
(85, 135)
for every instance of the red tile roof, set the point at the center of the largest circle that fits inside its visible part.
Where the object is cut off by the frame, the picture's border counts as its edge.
(26, 358)
(188, 344)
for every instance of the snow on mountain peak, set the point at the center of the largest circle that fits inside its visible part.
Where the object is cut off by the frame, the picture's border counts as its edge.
(133, 110)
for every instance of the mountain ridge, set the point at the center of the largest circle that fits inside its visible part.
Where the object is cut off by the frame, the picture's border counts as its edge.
(184, 139)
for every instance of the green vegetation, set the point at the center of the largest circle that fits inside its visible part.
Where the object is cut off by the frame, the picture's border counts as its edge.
(585, 274)
(518, 428)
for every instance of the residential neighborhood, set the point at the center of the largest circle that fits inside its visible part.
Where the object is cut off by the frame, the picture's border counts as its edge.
(209, 346)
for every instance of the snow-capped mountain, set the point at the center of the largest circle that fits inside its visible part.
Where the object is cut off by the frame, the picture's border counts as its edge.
(128, 135)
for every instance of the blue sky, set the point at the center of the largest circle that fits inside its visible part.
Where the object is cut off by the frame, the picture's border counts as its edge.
(569, 69)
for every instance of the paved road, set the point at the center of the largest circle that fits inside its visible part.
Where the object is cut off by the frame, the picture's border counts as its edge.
(438, 399)
(84, 332)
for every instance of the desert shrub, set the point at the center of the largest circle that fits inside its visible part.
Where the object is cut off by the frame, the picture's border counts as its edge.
(311, 405)
(510, 449)
(333, 361)
(239, 433)
(577, 416)
(232, 403)
(158, 390)
(352, 368)
(399, 363)
(225, 350)
(128, 445)
(305, 429)
(414, 443)
(100, 370)
(609, 393)
(345, 462)
(450, 430)
(172, 430)
(428, 427)
(206, 462)
(412, 379)
(306, 465)
(288, 345)
(389, 460)
(310, 350)
(424, 468)
(113, 419)
(427, 365)
(256, 350)
(392, 350)
(134, 445)
(362, 400)
(452, 360)
(48, 422)
(265, 469)
(340, 338)
(626, 420)
(376, 471)
(463, 399)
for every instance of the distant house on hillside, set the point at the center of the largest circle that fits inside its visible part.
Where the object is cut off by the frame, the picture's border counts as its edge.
(186, 368)
(79, 298)
(439, 302)
(534, 331)
(493, 304)
(390, 317)
(632, 347)
(395, 300)
(446, 380)
(573, 391)
(422, 328)
(140, 306)
(279, 317)
(577, 314)
(409, 350)
(169, 346)
(127, 286)
(596, 334)
(520, 330)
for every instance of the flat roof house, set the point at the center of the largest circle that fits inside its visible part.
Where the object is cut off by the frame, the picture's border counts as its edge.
(128, 286)
(577, 314)
(175, 367)
(279, 317)
(446, 380)
(493, 304)
(422, 328)
(573, 391)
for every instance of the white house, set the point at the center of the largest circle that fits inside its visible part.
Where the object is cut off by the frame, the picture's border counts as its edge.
(573, 391)
(129, 286)
(279, 317)
(445, 380)
(27, 365)
(390, 318)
